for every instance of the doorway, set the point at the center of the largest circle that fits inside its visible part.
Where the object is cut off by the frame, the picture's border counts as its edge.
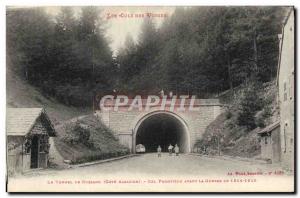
(34, 152)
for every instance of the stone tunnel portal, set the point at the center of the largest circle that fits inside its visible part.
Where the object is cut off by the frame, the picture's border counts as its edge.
(162, 129)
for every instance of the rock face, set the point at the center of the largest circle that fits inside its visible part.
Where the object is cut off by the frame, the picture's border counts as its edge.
(192, 124)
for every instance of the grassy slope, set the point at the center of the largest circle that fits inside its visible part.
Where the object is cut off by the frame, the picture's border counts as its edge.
(21, 94)
(238, 141)
(105, 145)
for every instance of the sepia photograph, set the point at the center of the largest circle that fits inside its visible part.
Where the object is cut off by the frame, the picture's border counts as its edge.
(157, 99)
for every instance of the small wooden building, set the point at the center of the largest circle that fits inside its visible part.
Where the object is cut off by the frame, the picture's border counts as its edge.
(28, 131)
(270, 142)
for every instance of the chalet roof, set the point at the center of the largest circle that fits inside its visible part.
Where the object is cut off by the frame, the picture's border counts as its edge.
(19, 121)
(269, 128)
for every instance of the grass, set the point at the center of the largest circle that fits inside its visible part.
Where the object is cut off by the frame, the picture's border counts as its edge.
(21, 94)
(102, 142)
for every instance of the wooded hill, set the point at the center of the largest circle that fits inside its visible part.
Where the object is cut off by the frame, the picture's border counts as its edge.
(203, 51)
(236, 129)
(198, 50)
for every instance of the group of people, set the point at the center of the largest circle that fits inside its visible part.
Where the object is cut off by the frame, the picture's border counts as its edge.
(170, 149)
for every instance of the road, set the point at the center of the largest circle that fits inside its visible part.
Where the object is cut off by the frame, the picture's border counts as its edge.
(149, 166)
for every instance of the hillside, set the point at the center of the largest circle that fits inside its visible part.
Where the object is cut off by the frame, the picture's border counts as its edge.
(102, 142)
(238, 140)
(21, 94)
(85, 138)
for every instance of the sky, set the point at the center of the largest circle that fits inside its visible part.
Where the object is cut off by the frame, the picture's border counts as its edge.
(125, 20)
(128, 20)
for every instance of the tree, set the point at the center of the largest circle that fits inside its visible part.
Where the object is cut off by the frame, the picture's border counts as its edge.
(63, 45)
(249, 104)
(66, 57)
(127, 60)
(200, 50)
(29, 33)
(204, 50)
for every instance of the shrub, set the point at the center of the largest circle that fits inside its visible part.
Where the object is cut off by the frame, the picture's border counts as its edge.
(228, 114)
(99, 156)
(249, 104)
(260, 120)
(261, 117)
(76, 133)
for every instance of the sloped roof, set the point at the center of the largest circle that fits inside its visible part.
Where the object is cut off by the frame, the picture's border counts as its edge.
(269, 128)
(19, 121)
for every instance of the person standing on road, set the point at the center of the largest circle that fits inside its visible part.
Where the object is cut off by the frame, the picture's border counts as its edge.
(159, 151)
(176, 150)
(170, 148)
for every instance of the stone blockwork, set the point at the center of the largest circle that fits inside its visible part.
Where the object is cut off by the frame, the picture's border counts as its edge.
(125, 123)
(286, 82)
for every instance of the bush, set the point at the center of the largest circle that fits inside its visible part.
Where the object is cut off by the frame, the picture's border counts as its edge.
(88, 139)
(228, 114)
(76, 133)
(260, 120)
(261, 117)
(99, 156)
(249, 104)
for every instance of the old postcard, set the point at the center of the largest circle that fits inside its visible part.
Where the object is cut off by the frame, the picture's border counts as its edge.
(150, 99)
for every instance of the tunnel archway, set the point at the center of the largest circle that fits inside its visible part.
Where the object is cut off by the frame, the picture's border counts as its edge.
(161, 128)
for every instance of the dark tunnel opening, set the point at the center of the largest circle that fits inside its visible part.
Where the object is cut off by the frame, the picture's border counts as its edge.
(162, 129)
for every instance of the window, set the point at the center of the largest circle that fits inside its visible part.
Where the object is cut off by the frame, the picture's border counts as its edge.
(285, 97)
(284, 91)
(289, 86)
(284, 136)
(266, 140)
(27, 146)
(44, 144)
(291, 89)
(284, 86)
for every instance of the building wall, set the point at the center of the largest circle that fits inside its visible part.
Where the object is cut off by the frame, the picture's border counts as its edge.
(270, 145)
(276, 145)
(123, 122)
(286, 94)
(15, 161)
(38, 128)
(19, 161)
(266, 147)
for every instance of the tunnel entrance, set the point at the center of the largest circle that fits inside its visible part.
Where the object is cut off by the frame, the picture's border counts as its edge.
(162, 129)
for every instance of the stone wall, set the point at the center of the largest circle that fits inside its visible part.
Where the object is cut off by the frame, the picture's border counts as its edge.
(286, 93)
(124, 122)
(270, 145)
